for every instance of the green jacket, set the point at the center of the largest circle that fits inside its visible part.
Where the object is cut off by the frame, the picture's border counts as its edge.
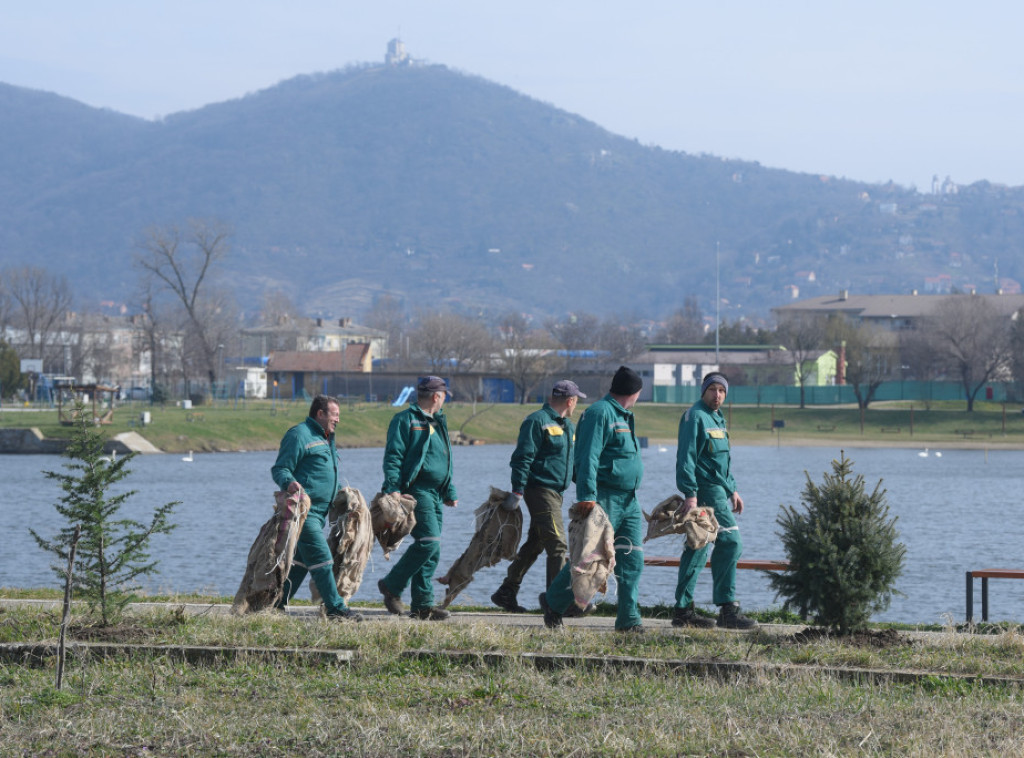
(703, 459)
(408, 434)
(607, 451)
(543, 455)
(308, 457)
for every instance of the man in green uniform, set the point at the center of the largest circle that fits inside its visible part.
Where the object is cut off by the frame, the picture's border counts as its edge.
(307, 457)
(542, 465)
(418, 462)
(703, 477)
(608, 471)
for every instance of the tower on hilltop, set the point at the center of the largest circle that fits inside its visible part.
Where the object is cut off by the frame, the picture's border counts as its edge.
(397, 56)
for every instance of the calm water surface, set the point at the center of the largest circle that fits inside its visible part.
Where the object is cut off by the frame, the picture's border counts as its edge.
(945, 506)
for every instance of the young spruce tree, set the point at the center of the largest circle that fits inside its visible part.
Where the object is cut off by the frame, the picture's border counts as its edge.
(843, 552)
(112, 552)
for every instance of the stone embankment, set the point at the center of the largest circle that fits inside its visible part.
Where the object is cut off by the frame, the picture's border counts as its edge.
(32, 442)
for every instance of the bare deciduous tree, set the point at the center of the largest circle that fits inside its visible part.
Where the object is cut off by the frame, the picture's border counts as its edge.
(685, 326)
(38, 302)
(971, 339)
(804, 337)
(622, 338)
(183, 262)
(388, 314)
(576, 333)
(452, 343)
(872, 356)
(526, 357)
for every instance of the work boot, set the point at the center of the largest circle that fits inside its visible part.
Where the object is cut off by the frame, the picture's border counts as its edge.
(505, 598)
(344, 614)
(688, 616)
(729, 618)
(638, 629)
(552, 619)
(430, 614)
(391, 601)
(574, 611)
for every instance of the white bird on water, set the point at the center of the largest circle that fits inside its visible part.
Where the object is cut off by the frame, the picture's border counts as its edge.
(923, 453)
(187, 458)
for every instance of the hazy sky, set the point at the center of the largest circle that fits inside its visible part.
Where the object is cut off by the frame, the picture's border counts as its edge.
(869, 90)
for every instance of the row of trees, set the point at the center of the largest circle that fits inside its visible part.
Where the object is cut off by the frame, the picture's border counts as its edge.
(187, 322)
(965, 339)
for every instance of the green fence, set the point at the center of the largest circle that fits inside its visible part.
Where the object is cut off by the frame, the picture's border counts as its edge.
(776, 394)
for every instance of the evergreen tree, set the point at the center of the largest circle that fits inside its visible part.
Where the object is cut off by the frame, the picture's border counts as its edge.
(843, 552)
(112, 552)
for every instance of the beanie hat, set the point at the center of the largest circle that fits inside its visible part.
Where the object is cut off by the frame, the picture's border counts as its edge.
(714, 378)
(626, 381)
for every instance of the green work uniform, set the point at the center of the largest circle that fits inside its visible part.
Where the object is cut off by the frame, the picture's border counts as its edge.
(542, 466)
(702, 471)
(418, 462)
(307, 455)
(609, 470)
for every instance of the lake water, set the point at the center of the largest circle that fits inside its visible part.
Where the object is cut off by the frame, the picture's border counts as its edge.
(946, 507)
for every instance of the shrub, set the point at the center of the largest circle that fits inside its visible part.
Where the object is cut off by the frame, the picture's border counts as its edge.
(112, 552)
(843, 552)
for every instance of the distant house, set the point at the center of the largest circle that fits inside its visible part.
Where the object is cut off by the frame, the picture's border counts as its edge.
(295, 374)
(887, 312)
(311, 335)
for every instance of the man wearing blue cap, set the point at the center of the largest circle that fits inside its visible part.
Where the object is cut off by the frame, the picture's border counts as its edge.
(542, 469)
(418, 462)
(703, 477)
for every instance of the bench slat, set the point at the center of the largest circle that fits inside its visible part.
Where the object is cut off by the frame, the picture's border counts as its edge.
(998, 573)
(655, 560)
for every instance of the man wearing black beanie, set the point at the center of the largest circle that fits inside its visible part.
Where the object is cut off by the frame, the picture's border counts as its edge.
(608, 471)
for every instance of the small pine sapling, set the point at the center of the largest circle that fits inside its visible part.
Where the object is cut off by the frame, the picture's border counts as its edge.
(843, 552)
(112, 552)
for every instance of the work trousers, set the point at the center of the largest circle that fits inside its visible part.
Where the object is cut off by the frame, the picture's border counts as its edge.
(313, 556)
(627, 521)
(546, 534)
(724, 557)
(415, 569)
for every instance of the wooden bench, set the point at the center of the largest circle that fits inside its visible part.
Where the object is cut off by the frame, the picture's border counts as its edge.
(965, 433)
(985, 575)
(656, 560)
(826, 427)
(890, 429)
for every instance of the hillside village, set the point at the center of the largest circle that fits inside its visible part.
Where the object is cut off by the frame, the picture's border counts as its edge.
(817, 353)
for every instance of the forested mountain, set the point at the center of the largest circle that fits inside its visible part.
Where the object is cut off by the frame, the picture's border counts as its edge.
(444, 188)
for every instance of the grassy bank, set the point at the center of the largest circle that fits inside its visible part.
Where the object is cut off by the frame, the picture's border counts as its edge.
(259, 425)
(395, 699)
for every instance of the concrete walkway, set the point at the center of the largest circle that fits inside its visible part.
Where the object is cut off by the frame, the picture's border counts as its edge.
(496, 618)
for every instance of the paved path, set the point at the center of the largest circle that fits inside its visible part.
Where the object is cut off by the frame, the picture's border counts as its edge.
(497, 618)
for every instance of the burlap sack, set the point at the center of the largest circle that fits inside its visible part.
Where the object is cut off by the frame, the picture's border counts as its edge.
(392, 519)
(591, 554)
(496, 538)
(671, 516)
(271, 555)
(350, 540)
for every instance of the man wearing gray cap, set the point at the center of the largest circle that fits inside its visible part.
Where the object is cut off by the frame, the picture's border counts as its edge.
(542, 466)
(418, 462)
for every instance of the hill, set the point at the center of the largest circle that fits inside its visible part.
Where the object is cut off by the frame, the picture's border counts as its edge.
(444, 188)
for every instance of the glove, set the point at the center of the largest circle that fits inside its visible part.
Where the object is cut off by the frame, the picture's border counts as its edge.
(584, 507)
(511, 501)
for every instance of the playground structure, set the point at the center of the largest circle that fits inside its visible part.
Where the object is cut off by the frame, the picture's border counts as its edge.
(403, 396)
(77, 392)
